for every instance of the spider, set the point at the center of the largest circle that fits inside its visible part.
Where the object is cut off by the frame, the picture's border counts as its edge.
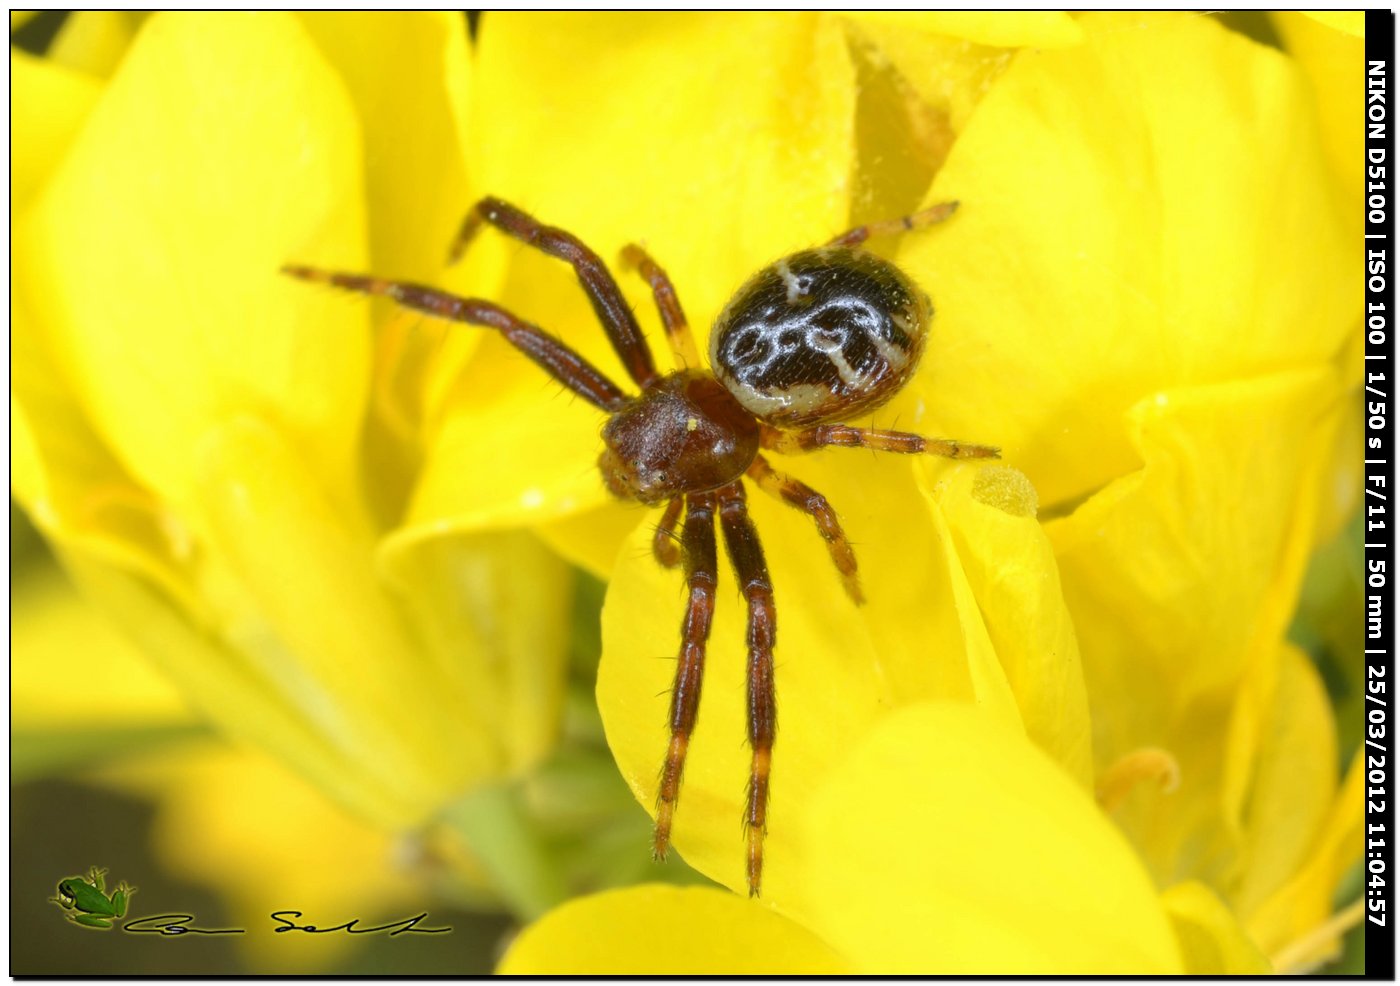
(806, 343)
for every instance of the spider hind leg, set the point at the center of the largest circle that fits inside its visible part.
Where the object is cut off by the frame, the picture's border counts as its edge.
(746, 554)
(698, 551)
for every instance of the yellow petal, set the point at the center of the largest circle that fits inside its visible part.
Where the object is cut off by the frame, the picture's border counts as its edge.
(409, 77)
(590, 539)
(668, 931)
(1182, 578)
(991, 513)
(61, 471)
(80, 692)
(1292, 785)
(66, 478)
(94, 41)
(838, 667)
(1139, 213)
(1351, 22)
(1330, 46)
(1187, 570)
(1211, 939)
(919, 78)
(1027, 28)
(493, 609)
(293, 560)
(215, 679)
(155, 248)
(48, 106)
(918, 880)
(70, 667)
(650, 144)
(1291, 925)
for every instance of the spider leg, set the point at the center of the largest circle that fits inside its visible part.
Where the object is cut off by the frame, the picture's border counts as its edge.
(701, 575)
(845, 436)
(677, 329)
(798, 494)
(746, 554)
(557, 359)
(926, 217)
(608, 303)
(665, 545)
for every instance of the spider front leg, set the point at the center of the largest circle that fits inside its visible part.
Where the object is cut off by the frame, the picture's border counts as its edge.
(665, 544)
(557, 359)
(608, 303)
(698, 547)
(845, 436)
(809, 501)
(746, 554)
(888, 227)
(668, 304)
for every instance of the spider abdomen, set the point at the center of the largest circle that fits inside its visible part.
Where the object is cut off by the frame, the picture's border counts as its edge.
(686, 434)
(820, 336)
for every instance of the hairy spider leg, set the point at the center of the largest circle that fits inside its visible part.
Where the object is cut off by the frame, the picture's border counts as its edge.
(886, 227)
(746, 555)
(701, 577)
(557, 359)
(608, 303)
(668, 304)
(845, 436)
(798, 494)
(665, 543)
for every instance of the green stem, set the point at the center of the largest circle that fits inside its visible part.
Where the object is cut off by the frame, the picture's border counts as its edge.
(493, 821)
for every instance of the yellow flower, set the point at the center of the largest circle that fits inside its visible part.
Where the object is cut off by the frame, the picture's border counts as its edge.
(196, 435)
(1144, 299)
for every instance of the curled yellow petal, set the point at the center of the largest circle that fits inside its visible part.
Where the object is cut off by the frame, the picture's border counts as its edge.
(991, 515)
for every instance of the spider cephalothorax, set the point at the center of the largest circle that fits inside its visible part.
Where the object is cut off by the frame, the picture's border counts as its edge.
(809, 341)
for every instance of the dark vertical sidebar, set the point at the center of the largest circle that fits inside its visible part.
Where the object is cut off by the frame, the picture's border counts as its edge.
(1381, 691)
